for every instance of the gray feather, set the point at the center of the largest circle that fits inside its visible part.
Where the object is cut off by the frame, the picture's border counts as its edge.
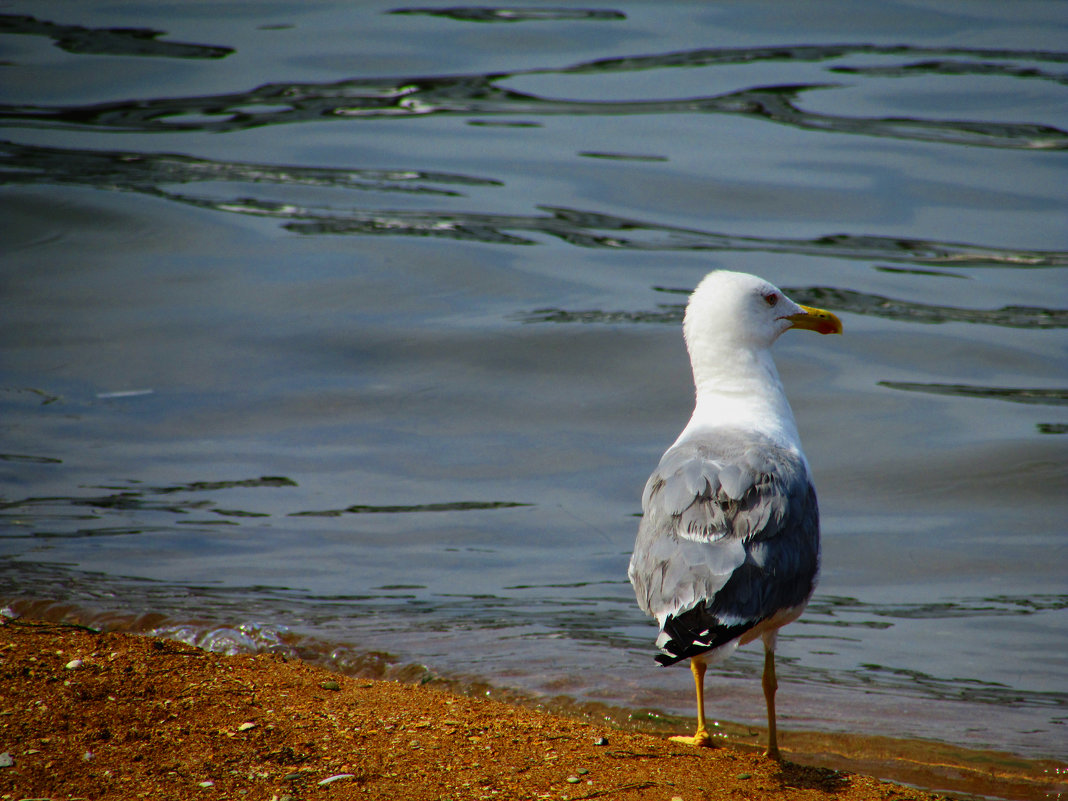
(730, 523)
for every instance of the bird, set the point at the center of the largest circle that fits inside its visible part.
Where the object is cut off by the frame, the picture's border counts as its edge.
(728, 548)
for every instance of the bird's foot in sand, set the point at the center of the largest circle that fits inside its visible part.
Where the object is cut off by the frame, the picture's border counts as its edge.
(700, 739)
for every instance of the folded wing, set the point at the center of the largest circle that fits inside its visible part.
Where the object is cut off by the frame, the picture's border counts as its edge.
(728, 540)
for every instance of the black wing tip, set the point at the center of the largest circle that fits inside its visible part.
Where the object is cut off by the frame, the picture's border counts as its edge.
(697, 631)
(666, 661)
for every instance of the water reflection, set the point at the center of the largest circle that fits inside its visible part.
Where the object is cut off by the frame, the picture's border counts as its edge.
(1044, 397)
(838, 300)
(979, 61)
(498, 14)
(28, 458)
(211, 486)
(484, 95)
(946, 688)
(108, 41)
(56, 509)
(451, 506)
(987, 606)
(845, 300)
(149, 172)
(157, 175)
(956, 68)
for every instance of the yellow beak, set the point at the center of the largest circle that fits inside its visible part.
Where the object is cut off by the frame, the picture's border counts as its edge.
(818, 320)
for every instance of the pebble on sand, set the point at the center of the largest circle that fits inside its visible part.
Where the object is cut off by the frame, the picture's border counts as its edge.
(338, 777)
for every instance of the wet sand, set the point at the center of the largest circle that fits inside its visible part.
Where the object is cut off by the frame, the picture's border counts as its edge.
(118, 716)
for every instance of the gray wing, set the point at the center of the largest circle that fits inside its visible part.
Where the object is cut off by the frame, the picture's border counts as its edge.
(729, 537)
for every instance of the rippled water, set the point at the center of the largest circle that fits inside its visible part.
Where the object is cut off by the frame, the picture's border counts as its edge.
(354, 331)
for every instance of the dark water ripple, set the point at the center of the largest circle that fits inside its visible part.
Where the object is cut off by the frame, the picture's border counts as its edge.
(57, 509)
(17, 394)
(482, 95)
(845, 300)
(918, 683)
(211, 486)
(838, 300)
(514, 14)
(591, 230)
(954, 68)
(28, 458)
(1039, 396)
(451, 506)
(718, 56)
(153, 174)
(989, 606)
(668, 314)
(108, 41)
(148, 172)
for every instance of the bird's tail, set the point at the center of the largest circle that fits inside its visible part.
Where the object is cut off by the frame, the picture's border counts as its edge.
(696, 631)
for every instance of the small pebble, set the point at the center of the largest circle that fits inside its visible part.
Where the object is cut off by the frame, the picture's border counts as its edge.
(744, 776)
(601, 741)
(6, 760)
(330, 685)
(246, 726)
(73, 664)
(573, 779)
(332, 779)
(207, 784)
(582, 771)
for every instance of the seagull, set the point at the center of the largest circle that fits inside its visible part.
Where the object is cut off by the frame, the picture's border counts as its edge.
(728, 548)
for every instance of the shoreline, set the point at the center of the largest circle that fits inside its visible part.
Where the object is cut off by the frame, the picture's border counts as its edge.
(117, 716)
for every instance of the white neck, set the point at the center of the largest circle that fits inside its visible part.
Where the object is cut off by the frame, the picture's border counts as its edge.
(740, 388)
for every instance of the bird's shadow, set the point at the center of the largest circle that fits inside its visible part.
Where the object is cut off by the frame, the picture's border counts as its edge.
(807, 777)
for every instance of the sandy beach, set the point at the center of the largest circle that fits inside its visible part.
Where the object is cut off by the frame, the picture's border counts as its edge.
(86, 715)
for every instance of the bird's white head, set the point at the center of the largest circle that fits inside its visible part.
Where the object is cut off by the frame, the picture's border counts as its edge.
(735, 311)
(731, 321)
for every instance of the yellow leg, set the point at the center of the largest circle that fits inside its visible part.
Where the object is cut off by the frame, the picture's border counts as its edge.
(770, 686)
(701, 737)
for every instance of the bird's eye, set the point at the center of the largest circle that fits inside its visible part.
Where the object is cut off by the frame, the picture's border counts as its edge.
(771, 298)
